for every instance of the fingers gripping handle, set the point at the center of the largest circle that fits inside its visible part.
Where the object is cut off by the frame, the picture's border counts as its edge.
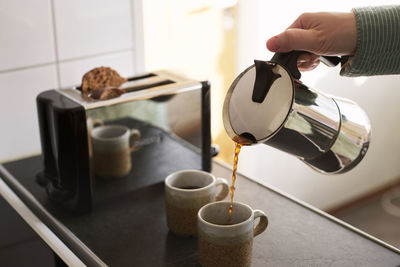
(224, 191)
(262, 224)
(289, 61)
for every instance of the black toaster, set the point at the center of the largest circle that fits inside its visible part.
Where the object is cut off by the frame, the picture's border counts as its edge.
(171, 112)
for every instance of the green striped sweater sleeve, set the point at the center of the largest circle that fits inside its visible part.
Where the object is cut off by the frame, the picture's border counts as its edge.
(378, 42)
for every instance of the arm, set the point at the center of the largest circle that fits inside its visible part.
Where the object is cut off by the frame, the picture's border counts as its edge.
(378, 42)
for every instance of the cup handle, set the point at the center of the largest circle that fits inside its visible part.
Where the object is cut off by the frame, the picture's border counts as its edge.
(262, 224)
(225, 189)
(134, 136)
(93, 123)
(97, 123)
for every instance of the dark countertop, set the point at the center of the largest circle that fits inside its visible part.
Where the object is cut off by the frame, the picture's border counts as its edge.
(20, 245)
(300, 235)
(131, 229)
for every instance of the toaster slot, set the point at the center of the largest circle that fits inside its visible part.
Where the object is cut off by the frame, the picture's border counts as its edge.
(149, 85)
(140, 77)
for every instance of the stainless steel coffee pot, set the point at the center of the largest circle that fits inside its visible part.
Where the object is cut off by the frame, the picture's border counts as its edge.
(267, 103)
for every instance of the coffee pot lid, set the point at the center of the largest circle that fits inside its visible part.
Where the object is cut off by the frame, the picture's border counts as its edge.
(258, 102)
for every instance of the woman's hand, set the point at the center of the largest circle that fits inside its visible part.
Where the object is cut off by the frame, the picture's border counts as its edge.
(323, 33)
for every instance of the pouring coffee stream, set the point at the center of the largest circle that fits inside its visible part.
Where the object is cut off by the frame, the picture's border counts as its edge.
(267, 103)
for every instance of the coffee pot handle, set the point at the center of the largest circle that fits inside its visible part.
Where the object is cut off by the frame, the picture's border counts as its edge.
(330, 61)
(289, 61)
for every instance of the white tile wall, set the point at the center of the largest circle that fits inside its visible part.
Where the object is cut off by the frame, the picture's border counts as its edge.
(92, 27)
(49, 44)
(19, 125)
(71, 71)
(26, 34)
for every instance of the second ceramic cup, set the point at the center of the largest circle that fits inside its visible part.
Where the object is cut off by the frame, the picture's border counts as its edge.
(227, 241)
(186, 192)
(112, 147)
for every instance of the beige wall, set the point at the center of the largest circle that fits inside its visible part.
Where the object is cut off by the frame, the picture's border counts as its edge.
(197, 39)
(209, 42)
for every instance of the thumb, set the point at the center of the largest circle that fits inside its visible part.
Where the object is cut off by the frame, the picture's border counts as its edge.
(293, 39)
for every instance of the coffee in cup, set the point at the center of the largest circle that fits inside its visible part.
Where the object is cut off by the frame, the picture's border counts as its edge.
(228, 241)
(186, 192)
(112, 146)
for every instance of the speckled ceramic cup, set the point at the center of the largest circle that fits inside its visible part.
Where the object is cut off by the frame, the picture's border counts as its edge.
(228, 242)
(186, 192)
(112, 146)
